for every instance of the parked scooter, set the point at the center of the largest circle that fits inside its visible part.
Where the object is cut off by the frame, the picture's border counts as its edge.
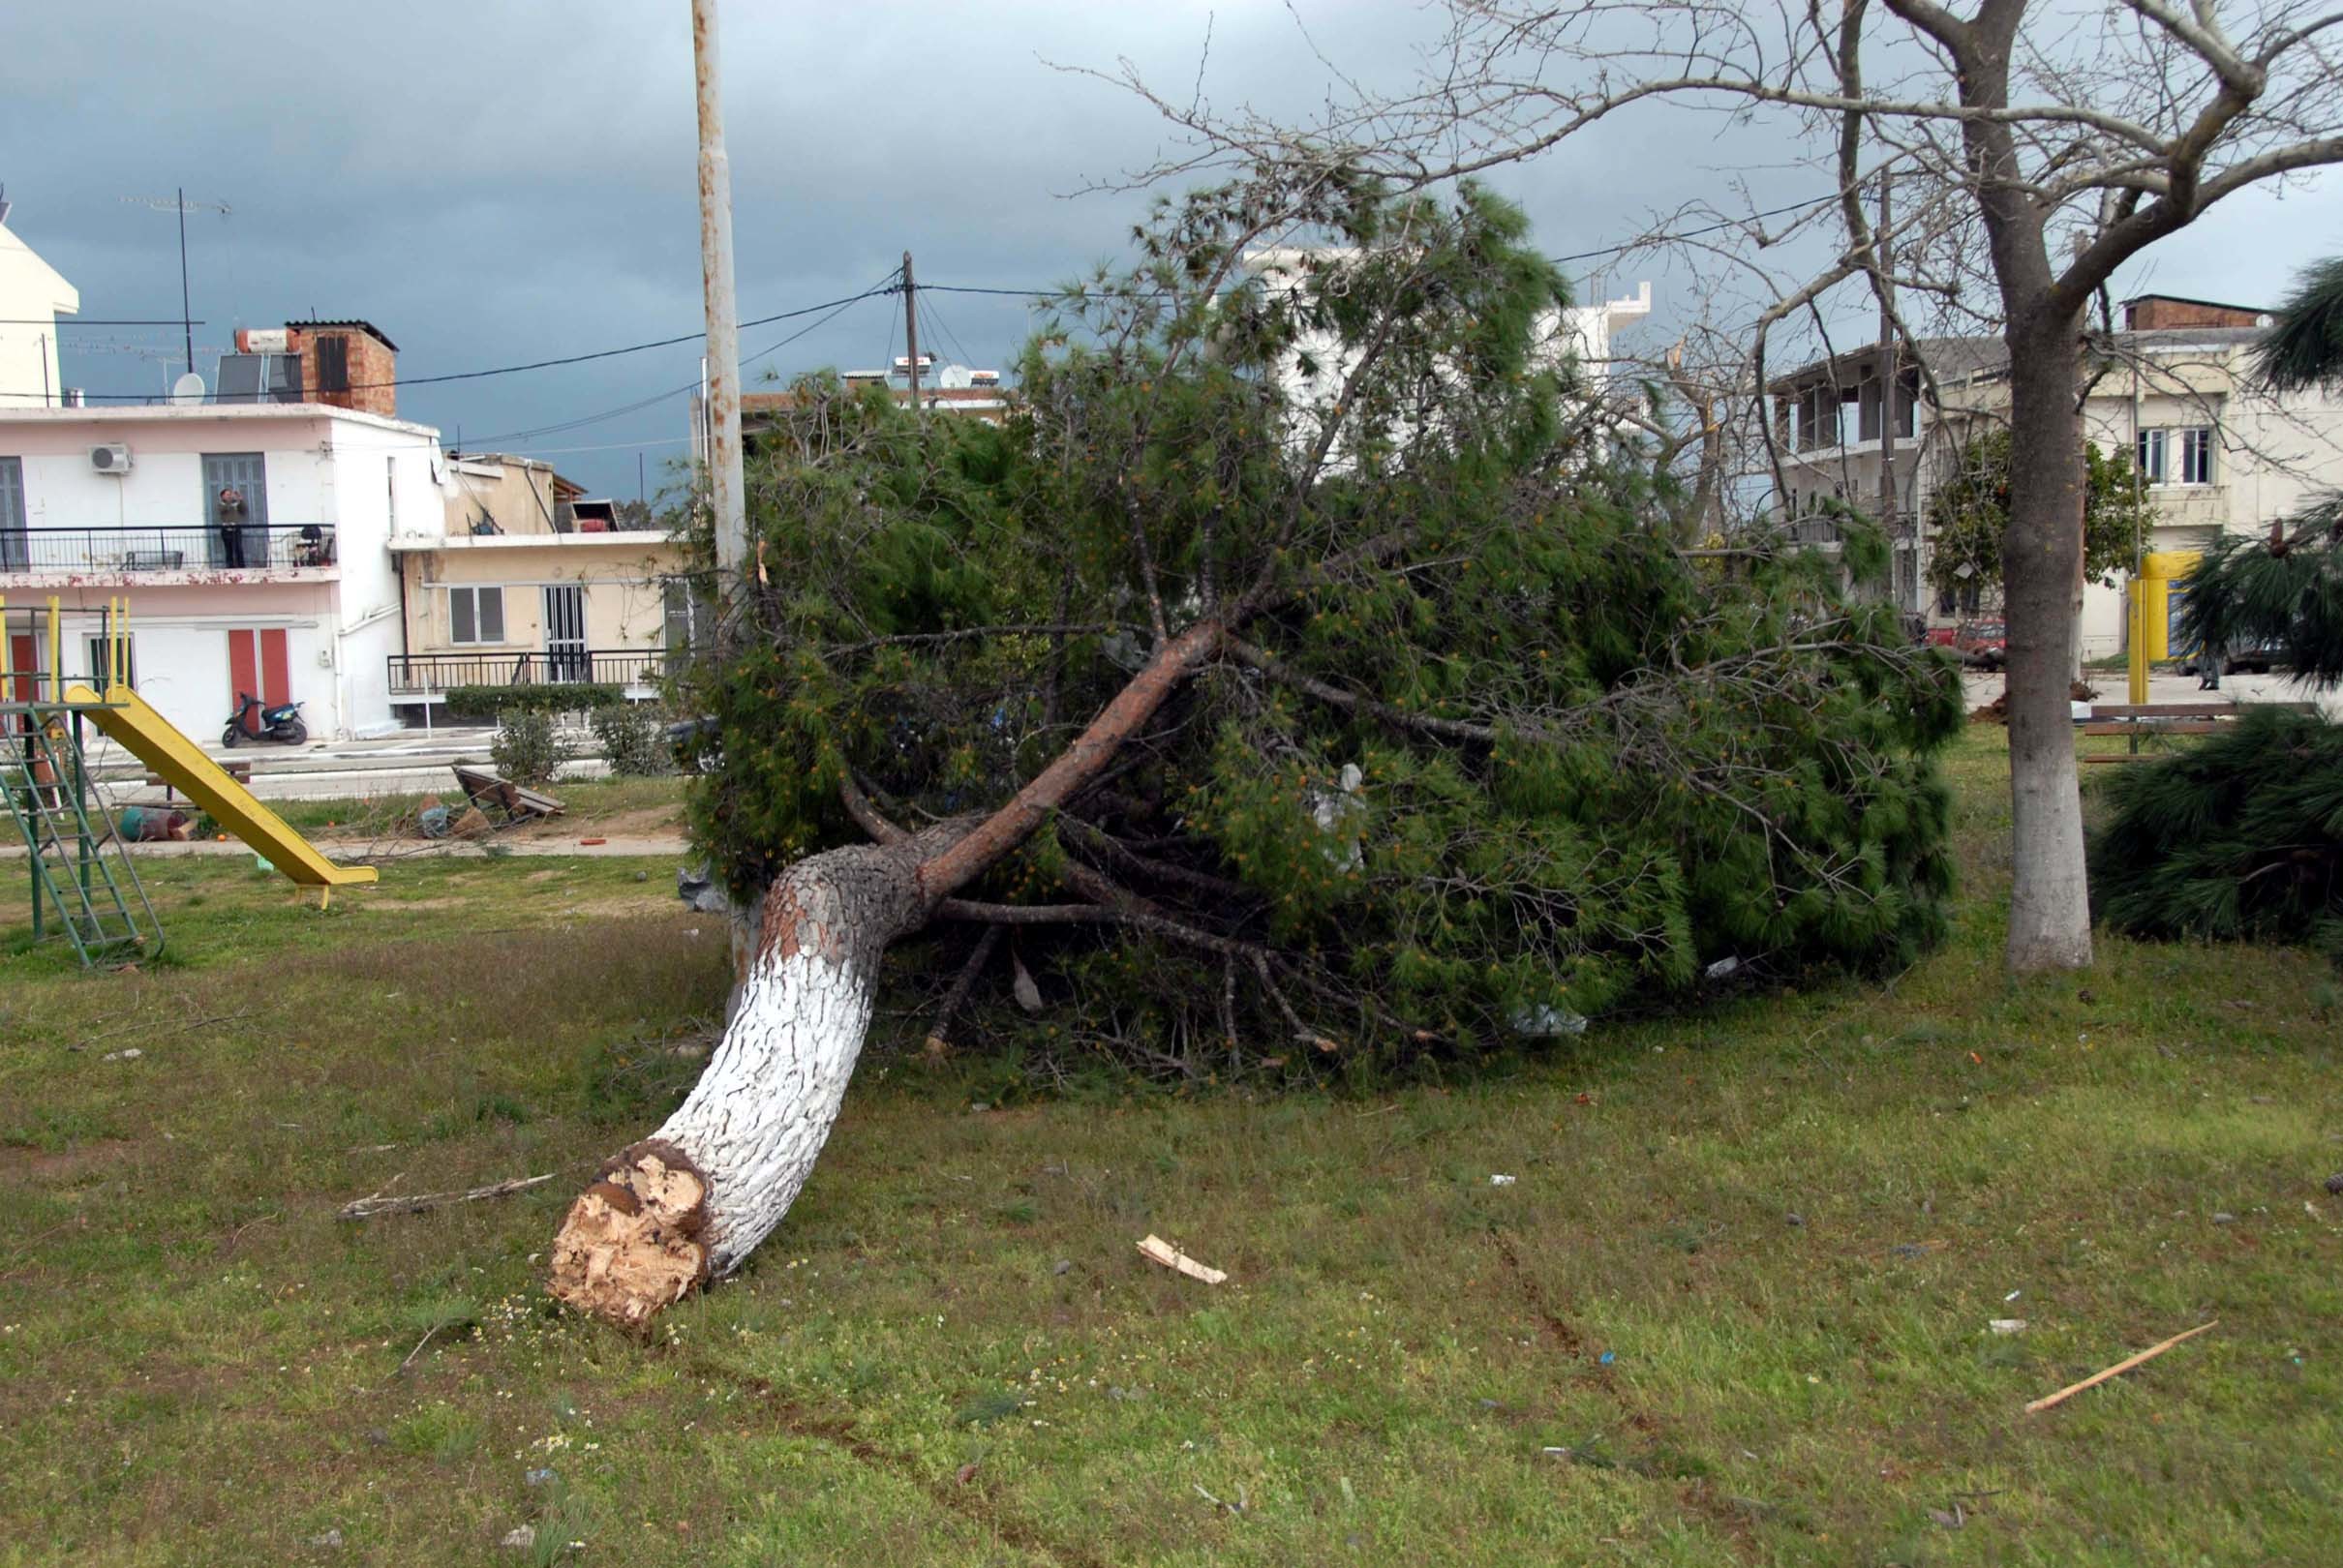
(254, 722)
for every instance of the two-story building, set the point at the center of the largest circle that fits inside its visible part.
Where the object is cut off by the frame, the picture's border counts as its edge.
(246, 526)
(521, 580)
(2173, 389)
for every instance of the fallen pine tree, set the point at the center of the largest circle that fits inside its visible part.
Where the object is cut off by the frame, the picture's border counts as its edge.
(1300, 676)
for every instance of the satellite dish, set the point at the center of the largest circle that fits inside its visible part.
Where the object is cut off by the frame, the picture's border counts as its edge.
(188, 388)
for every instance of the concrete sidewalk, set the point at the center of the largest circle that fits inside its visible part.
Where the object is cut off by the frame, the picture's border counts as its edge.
(2112, 688)
(410, 761)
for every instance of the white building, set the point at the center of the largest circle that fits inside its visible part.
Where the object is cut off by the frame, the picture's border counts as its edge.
(250, 538)
(1315, 372)
(297, 602)
(2174, 390)
(33, 294)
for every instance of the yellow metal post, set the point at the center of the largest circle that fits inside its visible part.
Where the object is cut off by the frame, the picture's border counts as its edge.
(2137, 638)
(57, 649)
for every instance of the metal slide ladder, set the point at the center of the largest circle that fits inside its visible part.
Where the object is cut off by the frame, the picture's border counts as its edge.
(81, 872)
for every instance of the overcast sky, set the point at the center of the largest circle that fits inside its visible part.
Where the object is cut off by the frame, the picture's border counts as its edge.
(495, 183)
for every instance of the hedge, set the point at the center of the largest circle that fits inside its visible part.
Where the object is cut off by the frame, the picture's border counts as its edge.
(494, 701)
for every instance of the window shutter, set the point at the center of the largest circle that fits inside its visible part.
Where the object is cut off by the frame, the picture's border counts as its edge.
(460, 628)
(492, 613)
(333, 364)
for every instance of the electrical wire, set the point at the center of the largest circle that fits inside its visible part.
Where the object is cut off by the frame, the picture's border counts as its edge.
(565, 359)
(97, 320)
(834, 308)
(893, 285)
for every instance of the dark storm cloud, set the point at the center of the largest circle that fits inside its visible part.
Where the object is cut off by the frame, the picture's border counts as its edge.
(493, 183)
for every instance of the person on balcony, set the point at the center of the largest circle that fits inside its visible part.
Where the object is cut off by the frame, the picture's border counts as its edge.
(230, 515)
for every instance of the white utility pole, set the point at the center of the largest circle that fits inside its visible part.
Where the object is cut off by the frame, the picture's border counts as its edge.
(722, 408)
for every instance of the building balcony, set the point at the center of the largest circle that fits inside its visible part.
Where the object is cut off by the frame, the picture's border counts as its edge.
(2190, 506)
(426, 678)
(95, 557)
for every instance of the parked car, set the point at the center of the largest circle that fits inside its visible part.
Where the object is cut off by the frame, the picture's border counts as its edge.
(2254, 658)
(1984, 644)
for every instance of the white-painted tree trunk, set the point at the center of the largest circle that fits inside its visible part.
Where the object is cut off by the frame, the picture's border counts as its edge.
(690, 1202)
(759, 1115)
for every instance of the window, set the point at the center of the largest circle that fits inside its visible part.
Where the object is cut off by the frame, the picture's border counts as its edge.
(2196, 455)
(2178, 457)
(333, 364)
(15, 545)
(101, 675)
(690, 620)
(475, 614)
(390, 488)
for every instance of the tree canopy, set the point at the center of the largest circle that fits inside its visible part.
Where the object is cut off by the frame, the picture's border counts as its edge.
(1968, 515)
(1480, 754)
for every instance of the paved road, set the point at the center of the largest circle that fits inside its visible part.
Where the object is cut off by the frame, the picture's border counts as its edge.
(2179, 688)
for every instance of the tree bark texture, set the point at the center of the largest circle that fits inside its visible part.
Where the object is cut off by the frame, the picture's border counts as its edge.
(691, 1201)
(2042, 576)
(688, 1203)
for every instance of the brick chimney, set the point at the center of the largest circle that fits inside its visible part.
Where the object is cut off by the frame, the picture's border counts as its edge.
(2150, 311)
(347, 364)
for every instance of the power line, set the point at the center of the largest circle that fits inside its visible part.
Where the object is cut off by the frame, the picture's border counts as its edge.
(834, 308)
(99, 321)
(891, 286)
(566, 359)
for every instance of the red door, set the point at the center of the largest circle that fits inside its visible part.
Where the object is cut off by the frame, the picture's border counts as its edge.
(23, 661)
(257, 663)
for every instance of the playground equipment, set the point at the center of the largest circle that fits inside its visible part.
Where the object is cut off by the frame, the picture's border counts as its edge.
(83, 883)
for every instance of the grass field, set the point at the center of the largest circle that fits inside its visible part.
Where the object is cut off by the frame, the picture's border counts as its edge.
(1733, 1308)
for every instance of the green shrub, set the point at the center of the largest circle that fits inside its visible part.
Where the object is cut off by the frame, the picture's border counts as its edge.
(632, 740)
(496, 702)
(2238, 837)
(526, 750)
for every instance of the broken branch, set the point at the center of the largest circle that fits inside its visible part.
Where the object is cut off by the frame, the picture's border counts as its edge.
(366, 1208)
(2118, 1368)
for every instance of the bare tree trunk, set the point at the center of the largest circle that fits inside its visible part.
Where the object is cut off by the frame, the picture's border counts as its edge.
(2042, 573)
(687, 1204)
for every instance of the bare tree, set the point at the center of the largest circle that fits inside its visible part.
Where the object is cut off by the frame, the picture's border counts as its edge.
(2041, 146)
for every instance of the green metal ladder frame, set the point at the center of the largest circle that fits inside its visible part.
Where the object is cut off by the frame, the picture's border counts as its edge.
(98, 917)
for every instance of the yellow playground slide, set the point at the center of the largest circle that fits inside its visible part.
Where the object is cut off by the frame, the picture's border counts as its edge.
(158, 742)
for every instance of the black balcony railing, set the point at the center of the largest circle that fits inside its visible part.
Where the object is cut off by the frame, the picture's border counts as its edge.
(138, 550)
(419, 675)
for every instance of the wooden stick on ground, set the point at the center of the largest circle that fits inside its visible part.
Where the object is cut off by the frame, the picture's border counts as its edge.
(1156, 1249)
(366, 1208)
(2118, 1368)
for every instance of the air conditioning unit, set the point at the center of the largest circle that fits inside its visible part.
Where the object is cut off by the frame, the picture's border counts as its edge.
(109, 459)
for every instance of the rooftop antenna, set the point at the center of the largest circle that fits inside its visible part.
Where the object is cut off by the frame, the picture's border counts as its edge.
(179, 203)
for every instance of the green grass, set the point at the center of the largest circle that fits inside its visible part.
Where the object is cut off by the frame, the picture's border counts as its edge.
(1733, 1310)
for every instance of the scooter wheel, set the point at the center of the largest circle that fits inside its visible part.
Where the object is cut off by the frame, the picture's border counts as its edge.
(293, 732)
(233, 734)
